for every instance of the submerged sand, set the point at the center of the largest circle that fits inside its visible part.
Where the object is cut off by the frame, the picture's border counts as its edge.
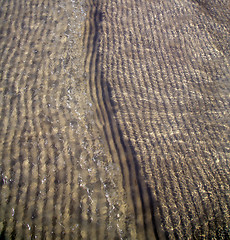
(114, 119)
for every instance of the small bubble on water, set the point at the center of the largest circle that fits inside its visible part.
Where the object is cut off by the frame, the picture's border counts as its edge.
(43, 180)
(5, 179)
(13, 212)
(28, 226)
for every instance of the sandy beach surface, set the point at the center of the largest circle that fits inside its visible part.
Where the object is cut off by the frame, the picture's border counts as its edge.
(114, 119)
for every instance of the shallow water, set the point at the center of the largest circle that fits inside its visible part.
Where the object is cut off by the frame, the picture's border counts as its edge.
(57, 179)
(114, 119)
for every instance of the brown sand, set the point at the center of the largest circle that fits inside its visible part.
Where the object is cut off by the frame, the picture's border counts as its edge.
(114, 124)
(162, 81)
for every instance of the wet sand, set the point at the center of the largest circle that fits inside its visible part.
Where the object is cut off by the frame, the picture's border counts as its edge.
(114, 119)
(162, 82)
(58, 180)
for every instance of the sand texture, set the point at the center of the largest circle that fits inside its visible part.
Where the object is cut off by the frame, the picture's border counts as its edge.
(114, 119)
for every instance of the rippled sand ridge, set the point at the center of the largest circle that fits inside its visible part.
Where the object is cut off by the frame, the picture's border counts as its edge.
(58, 180)
(114, 119)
